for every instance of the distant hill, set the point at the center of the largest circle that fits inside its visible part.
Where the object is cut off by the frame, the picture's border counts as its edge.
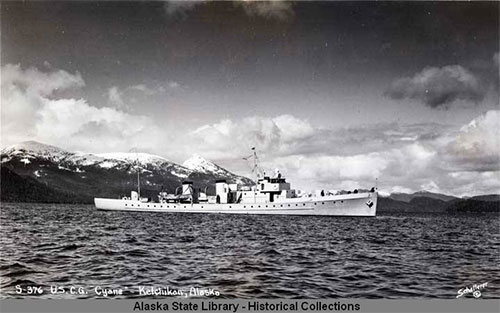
(434, 195)
(486, 198)
(15, 188)
(431, 205)
(407, 197)
(393, 206)
(474, 206)
(201, 166)
(430, 202)
(38, 172)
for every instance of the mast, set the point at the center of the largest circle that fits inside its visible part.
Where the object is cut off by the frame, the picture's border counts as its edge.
(254, 170)
(256, 174)
(255, 165)
(138, 181)
(138, 172)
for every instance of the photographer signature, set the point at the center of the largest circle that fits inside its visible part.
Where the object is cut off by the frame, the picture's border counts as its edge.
(475, 290)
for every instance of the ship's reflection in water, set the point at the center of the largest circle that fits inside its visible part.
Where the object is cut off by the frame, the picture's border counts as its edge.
(391, 256)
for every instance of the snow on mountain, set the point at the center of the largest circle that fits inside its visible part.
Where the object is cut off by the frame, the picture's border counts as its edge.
(32, 149)
(36, 158)
(199, 164)
(132, 157)
(85, 159)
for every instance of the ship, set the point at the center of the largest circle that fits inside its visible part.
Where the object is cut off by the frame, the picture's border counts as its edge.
(270, 195)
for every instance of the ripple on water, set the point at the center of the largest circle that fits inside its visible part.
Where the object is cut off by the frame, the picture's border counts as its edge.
(391, 256)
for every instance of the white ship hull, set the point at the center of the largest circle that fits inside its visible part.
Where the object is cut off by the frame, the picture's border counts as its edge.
(360, 204)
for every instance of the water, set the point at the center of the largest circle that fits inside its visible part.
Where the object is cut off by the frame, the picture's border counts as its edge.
(390, 256)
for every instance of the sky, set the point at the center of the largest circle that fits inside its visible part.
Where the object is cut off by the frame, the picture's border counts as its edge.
(337, 95)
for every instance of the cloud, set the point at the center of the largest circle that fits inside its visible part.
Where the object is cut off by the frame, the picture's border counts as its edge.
(22, 91)
(31, 110)
(173, 84)
(453, 159)
(287, 135)
(476, 147)
(438, 87)
(400, 189)
(404, 158)
(316, 155)
(157, 87)
(143, 88)
(391, 167)
(272, 9)
(115, 97)
(232, 139)
(180, 8)
(465, 182)
(34, 82)
(277, 9)
(431, 186)
(324, 168)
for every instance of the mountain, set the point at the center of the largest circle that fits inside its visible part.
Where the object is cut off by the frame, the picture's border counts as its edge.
(406, 197)
(429, 204)
(26, 189)
(473, 206)
(85, 176)
(197, 163)
(200, 165)
(432, 205)
(434, 195)
(388, 205)
(487, 198)
(400, 196)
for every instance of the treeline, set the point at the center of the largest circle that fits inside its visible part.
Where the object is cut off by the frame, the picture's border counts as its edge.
(15, 188)
(430, 205)
(473, 206)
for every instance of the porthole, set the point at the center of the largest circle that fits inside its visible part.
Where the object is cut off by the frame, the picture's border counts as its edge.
(322, 203)
(125, 204)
